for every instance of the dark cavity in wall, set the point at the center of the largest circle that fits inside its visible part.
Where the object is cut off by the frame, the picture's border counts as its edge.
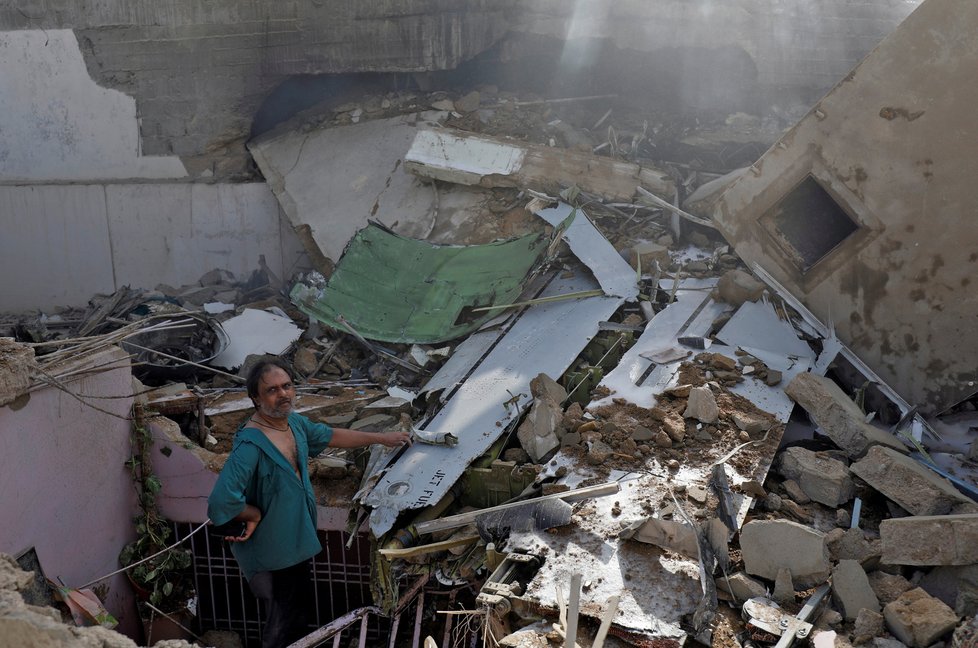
(706, 81)
(808, 223)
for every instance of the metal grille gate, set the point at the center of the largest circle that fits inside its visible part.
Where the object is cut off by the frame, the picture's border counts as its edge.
(341, 576)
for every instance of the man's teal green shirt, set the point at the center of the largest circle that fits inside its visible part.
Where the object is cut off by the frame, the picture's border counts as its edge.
(257, 473)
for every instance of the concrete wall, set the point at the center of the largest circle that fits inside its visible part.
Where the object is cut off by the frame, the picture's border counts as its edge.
(199, 69)
(189, 472)
(65, 488)
(894, 145)
(722, 55)
(57, 124)
(65, 243)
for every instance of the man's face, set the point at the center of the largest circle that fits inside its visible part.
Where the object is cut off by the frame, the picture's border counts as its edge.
(276, 393)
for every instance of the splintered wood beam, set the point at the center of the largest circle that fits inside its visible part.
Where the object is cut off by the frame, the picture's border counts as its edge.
(410, 552)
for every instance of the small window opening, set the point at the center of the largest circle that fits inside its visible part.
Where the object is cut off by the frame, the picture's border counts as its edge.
(808, 223)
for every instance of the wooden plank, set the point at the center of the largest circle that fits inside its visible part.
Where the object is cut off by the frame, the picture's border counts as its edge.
(410, 552)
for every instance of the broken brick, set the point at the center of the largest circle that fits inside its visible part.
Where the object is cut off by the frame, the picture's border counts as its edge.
(910, 484)
(837, 415)
(930, 540)
(851, 589)
(918, 619)
(822, 478)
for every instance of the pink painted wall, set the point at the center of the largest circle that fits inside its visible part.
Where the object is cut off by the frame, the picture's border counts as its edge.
(64, 486)
(187, 481)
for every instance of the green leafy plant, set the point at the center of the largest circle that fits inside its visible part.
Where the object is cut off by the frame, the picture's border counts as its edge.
(165, 579)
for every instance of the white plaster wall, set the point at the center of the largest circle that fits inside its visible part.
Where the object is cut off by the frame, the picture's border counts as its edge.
(63, 243)
(64, 486)
(57, 124)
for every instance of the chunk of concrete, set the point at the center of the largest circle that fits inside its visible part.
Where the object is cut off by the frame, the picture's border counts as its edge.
(545, 387)
(671, 535)
(918, 619)
(736, 287)
(741, 586)
(702, 405)
(16, 366)
(538, 431)
(823, 479)
(851, 544)
(851, 590)
(868, 624)
(770, 545)
(837, 415)
(907, 482)
(888, 587)
(795, 492)
(930, 540)
(648, 253)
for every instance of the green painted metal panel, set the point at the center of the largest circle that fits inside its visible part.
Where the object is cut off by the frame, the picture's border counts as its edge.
(397, 289)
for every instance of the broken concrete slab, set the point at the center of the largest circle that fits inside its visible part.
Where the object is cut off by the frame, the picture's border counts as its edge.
(930, 540)
(770, 545)
(463, 158)
(305, 172)
(918, 619)
(822, 478)
(908, 482)
(851, 590)
(538, 431)
(702, 405)
(837, 415)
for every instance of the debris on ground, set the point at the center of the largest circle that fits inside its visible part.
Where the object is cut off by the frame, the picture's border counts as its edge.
(624, 432)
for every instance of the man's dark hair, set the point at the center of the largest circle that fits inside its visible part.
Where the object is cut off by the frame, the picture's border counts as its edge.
(260, 369)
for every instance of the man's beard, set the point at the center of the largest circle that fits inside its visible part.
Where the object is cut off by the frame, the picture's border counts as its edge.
(277, 412)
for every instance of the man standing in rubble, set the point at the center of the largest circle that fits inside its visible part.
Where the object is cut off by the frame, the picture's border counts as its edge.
(265, 485)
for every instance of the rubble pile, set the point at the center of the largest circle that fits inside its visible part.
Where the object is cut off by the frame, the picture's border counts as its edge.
(631, 413)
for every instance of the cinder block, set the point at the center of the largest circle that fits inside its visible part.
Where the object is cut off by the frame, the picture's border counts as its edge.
(930, 540)
(837, 415)
(910, 484)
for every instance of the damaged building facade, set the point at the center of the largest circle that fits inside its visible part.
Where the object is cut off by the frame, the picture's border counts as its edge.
(672, 297)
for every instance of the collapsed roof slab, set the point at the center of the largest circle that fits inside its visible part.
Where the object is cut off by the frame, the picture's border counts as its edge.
(330, 181)
(862, 210)
(459, 157)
